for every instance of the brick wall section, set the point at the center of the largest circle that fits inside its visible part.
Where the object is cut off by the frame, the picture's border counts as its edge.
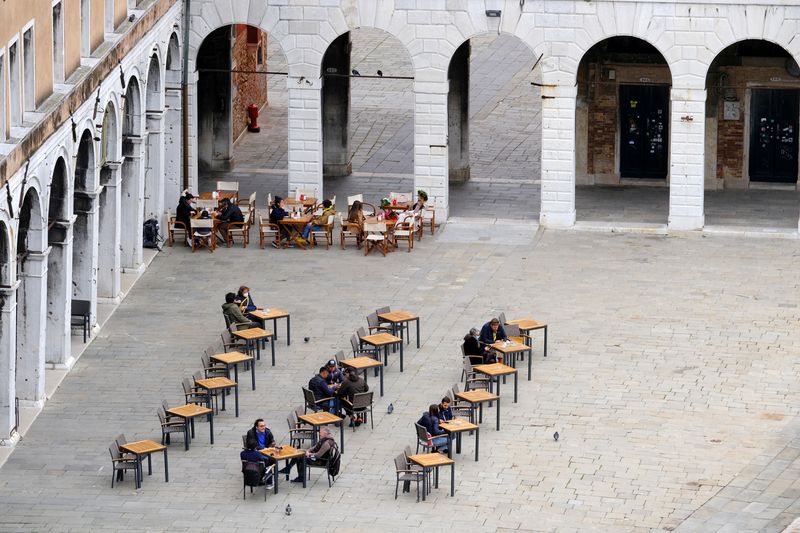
(730, 147)
(247, 88)
(602, 124)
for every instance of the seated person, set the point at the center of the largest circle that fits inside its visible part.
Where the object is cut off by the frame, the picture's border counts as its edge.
(229, 214)
(422, 197)
(335, 376)
(388, 213)
(430, 421)
(354, 384)
(277, 213)
(318, 221)
(491, 332)
(261, 434)
(250, 454)
(319, 386)
(355, 218)
(316, 455)
(184, 213)
(245, 300)
(477, 354)
(445, 411)
(232, 313)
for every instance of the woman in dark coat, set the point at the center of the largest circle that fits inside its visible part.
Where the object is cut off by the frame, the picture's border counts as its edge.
(184, 214)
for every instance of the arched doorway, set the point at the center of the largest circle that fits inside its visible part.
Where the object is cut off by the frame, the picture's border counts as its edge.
(59, 268)
(751, 150)
(31, 299)
(85, 227)
(173, 140)
(622, 121)
(132, 181)
(154, 165)
(494, 129)
(8, 335)
(108, 253)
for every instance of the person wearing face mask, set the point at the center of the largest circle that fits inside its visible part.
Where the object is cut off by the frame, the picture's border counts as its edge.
(245, 300)
(184, 212)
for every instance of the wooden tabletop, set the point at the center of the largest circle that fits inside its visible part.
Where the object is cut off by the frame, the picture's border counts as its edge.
(399, 207)
(386, 221)
(189, 410)
(252, 333)
(526, 324)
(360, 363)
(288, 221)
(510, 347)
(215, 383)
(427, 460)
(494, 369)
(320, 419)
(141, 447)
(397, 316)
(308, 202)
(231, 358)
(476, 396)
(458, 424)
(381, 339)
(286, 452)
(209, 195)
(268, 314)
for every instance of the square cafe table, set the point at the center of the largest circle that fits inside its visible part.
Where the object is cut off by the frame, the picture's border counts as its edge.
(323, 418)
(233, 359)
(379, 340)
(274, 315)
(479, 397)
(456, 427)
(528, 324)
(363, 363)
(253, 335)
(189, 412)
(397, 319)
(510, 350)
(294, 226)
(142, 448)
(434, 460)
(494, 371)
(285, 453)
(221, 384)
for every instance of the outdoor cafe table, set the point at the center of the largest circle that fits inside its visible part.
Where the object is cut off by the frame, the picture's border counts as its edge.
(380, 340)
(308, 203)
(434, 460)
(323, 418)
(189, 412)
(253, 335)
(510, 350)
(221, 195)
(494, 371)
(397, 319)
(221, 384)
(294, 226)
(363, 363)
(274, 315)
(233, 359)
(456, 427)
(142, 448)
(479, 397)
(284, 453)
(528, 324)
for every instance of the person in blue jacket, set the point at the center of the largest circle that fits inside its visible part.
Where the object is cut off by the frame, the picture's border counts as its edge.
(491, 332)
(319, 386)
(430, 421)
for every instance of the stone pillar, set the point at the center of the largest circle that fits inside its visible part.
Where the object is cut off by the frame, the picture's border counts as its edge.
(85, 249)
(430, 139)
(687, 159)
(154, 167)
(173, 141)
(59, 294)
(558, 156)
(8, 349)
(32, 297)
(108, 257)
(458, 115)
(336, 108)
(305, 136)
(132, 192)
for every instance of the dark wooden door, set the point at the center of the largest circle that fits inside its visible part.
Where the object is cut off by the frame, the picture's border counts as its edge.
(773, 135)
(644, 116)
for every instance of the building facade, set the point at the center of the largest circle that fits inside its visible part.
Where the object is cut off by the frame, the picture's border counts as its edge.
(693, 96)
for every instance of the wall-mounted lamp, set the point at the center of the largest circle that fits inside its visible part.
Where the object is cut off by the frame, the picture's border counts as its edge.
(493, 13)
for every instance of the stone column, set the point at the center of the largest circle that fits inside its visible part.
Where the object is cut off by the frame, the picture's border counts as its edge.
(305, 136)
(193, 136)
(336, 108)
(8, 349)
(32, 297)
(687, 159)
(59, 294)
(558, 156)
(154, 169)
(132, 192)
(108, 257)
(458, 115)
(430, 139)
(85, 249)
(173, 141)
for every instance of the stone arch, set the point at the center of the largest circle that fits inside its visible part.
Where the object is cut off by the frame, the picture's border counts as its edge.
(173, 136)
(132, 124)
(85, 228)
(174, 58)
(31, 226)
(154, 88)
(8, 323)
(110, 143)
(132, 179)
(59, 191)
(154, 162)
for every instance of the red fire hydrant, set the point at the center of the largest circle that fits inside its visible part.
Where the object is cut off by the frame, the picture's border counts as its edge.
(252, 114)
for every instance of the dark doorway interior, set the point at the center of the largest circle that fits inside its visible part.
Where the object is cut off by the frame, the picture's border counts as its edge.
(644, 120)
(773, 135)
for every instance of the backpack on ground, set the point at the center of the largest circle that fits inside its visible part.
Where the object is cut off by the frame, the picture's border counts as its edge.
(150, 234)
(334, 459)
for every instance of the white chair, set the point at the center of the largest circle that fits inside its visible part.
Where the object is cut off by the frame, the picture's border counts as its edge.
(228, 186)
(351, 199)
(347, 232)
(199, 238)
(404, 231)
(429, 218)
(326, 231)
(267, 231)
(375, 235)
(173, 226)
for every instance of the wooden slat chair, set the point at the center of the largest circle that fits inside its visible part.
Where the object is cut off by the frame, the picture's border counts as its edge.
(201, 239)
(404, 231)
(348, 230)
(173, 226)
(429, 218)
(375, 237)
(352, 199)
(239, 230)
(325, 232)
(267, 232)
(229, 186)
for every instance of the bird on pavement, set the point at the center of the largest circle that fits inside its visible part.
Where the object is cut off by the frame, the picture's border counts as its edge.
(555, 436)
(380, 73)
(356, 73)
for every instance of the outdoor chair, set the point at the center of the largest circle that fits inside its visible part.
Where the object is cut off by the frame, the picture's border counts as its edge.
(253, 476)
(406, 475)
(374, 326)
(229, 186)
(502, 318)
(429, 218)
(352, 199)
(170, 418)
(348, 230)
(314, 404)
(120, 463)
(473, 380)
(368, 209)
(459, 407)
(375, 237)
(193, 394)
(423, 439)
(325, 232)
(120, 440)
(80, 315)
(404, 231)
(297, 433)
(174, 225)
(212, 369)
(362, 402)
(231, 343)
(199, 237)
(239, 230)
(267, 232)
(333, 455)
(169, 426)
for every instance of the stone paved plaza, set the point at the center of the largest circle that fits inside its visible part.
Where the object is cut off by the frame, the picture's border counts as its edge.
(671, 377)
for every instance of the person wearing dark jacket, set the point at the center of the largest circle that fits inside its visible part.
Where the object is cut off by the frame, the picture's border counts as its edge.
(472, 348)
(245, 300)
(184, 214)
(354, 384)
(250, 454)
(276, 214)
(491, 332)
(229, 214)
(430, 421)
(315, 455)
(318, 385)
(261, 434)
(230, 309)
(335, 375)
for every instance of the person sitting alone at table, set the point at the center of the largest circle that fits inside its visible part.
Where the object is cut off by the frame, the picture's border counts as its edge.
(491, 332)
(229, 214)
(231, 311)
(317, 222)
(422, 197)
(430, 421)
(319, 386)
(355, 219)
(316, 455)
(352, 385)
(335, 376)
(184, 213)
(388, 213)
(252, 455)
(276, 214)
(473, 349)
(445, 411)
